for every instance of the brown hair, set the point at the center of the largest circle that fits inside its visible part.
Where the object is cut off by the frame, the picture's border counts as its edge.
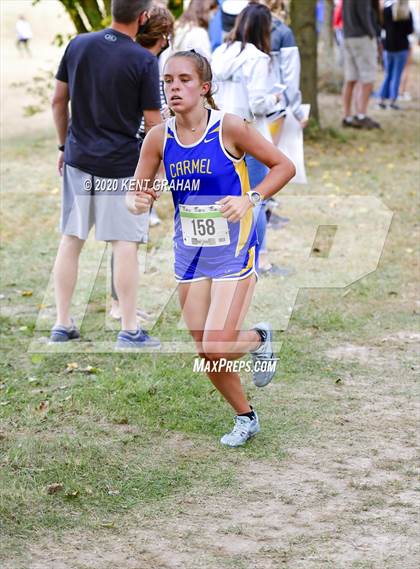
(253, 25)
(197, 13)
(276, 7)
(160, 24)
(203, 69)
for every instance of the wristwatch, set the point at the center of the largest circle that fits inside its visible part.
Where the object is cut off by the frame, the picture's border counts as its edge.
(254, 197)
(61, 147)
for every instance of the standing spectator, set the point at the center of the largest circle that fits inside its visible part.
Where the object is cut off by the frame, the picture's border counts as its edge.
(245, 78)
(230, 11)
(360, 60)
(215, 27)
(286, 67)
(24, 34)
(99, 149)
(413, 39)
(338, 27)
(286, 59)
(191, 30)
(154, 35)
(398, 25)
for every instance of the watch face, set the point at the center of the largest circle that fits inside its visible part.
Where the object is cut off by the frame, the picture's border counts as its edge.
(256, 198)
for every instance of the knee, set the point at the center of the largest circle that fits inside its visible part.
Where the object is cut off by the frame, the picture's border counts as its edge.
(219, 344)
(124, 249)
(71, 242)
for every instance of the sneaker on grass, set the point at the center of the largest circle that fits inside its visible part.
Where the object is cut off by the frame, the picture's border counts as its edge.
(243, 430)
(366, 122)
(64, 333)
(348, 122)
(263, 356)
(136, 340)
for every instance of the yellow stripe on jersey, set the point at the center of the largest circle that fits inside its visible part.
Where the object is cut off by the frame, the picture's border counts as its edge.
(245, 225)
(214, 130)
(249, 265)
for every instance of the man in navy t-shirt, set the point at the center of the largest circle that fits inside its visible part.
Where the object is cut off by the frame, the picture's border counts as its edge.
(111, 83)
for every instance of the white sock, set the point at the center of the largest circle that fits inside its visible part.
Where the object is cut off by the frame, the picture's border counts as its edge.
(360, 116)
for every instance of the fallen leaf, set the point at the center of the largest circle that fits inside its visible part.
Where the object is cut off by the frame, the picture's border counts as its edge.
(342, 420)
(108, 524)
(71, 367)
(44, 406)
(26, 293)
(90, 370)
(54, 488)
(72, 494)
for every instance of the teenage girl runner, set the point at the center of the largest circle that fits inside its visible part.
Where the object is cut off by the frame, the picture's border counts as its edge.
(215, 243)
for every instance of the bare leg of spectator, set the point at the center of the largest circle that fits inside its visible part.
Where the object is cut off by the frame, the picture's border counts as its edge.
(126, 281)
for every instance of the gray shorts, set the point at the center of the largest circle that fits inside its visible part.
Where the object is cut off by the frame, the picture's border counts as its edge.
(360, 59)
(90, 200)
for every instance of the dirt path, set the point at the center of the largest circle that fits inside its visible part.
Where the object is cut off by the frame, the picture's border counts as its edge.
(347, 501)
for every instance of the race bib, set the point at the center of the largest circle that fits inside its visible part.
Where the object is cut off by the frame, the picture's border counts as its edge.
(203, 226)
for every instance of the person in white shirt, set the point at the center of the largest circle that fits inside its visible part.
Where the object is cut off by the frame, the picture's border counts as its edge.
(245, 85)
(191, 30)
(24, 34)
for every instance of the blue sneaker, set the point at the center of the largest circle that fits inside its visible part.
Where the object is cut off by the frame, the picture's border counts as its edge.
(64, 334)
(133, 340)
(244, 429)
(263, 357)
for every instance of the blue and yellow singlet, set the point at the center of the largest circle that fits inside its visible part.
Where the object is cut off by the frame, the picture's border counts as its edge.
(206, 245)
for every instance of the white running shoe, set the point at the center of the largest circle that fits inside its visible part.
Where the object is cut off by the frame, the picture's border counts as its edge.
(244, 429)
(263, 357)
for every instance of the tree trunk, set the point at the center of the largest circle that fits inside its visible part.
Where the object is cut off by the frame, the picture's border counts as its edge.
(327, 32)
(107, 4)
(71, 9)
(303, 22)
(330, 73)
(93, 13)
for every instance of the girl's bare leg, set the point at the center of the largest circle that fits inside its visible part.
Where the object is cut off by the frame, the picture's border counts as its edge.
(223, 305)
